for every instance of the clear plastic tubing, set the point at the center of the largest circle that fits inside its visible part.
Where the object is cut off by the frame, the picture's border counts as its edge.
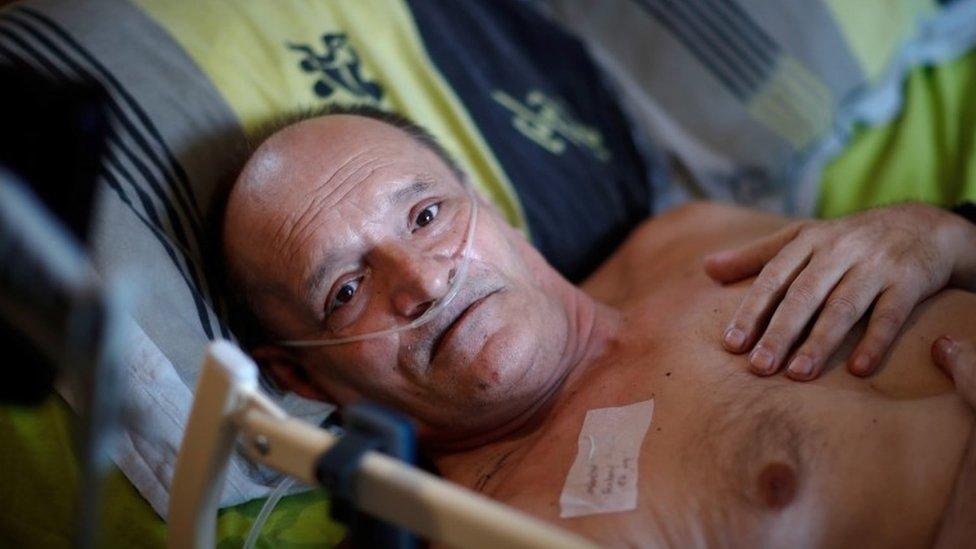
(269, 505)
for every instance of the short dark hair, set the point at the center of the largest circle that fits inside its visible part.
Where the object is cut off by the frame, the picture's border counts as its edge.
(242, 320)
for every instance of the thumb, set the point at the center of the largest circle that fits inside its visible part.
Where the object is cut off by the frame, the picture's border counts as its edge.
(747, 260)
(958, 360)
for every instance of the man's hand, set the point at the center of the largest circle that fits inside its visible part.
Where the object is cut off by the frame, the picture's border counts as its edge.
(891, 258)
(958, 359)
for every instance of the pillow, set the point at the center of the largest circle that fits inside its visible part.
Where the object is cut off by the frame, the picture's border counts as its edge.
(515, 99)
(754, 98)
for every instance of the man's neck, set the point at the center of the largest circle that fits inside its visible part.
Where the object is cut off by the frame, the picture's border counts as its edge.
(593, 330)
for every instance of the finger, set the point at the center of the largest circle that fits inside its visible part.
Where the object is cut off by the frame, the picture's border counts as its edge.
(845, 305)
(958, 360)
(745, 261)
(804, 296)
(763, 295)
(889, 315)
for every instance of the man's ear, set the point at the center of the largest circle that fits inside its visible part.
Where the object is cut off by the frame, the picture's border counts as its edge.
(288, 373)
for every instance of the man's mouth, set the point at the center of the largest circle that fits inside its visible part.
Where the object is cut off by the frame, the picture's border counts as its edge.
(451, 326)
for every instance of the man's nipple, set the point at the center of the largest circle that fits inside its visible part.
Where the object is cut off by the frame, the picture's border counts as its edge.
(777, 485)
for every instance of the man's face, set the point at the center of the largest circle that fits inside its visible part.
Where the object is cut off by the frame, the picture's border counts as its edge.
(345, 224)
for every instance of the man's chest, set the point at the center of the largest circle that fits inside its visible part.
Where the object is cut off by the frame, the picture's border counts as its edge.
(732, 459)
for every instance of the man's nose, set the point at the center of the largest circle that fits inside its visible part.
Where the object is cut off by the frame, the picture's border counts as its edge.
(416, 279)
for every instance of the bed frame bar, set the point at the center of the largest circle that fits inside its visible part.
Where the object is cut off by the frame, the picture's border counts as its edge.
(229, 404)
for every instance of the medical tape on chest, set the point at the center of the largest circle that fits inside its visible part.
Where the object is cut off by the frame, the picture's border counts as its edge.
(603, 478)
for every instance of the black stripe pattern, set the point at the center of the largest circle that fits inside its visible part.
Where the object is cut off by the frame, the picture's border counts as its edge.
(743, 57)
(139, 166)
(722, 37)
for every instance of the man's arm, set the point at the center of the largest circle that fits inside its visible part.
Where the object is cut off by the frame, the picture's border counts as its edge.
(958, 527)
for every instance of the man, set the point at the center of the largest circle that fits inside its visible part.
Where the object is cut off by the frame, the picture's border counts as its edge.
(361, 236)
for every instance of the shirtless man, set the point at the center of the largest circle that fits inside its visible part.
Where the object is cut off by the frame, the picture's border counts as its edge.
(328, 240)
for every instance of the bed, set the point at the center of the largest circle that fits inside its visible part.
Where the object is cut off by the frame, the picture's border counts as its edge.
(558, 143)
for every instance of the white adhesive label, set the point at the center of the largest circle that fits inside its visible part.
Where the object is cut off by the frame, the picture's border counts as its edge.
(603, 478)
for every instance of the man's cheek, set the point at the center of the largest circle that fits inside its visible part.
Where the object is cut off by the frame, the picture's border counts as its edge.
(363, 363)
(495, 244)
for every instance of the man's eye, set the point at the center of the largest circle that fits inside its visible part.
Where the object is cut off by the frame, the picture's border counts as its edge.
(427, 215)
(345, 293)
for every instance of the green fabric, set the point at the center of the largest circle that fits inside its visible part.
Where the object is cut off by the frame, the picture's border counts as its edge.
(39, 489)
(872, 42)
(928, 153)
(299, 521)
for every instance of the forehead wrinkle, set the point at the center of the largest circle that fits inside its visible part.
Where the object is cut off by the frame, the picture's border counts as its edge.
(350, 182)
(344, 181)
(296, 225)
(314, 197)
(350, 164)
(328, 201)
(296, 232)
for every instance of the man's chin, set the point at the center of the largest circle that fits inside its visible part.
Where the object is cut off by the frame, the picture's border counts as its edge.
(487, 370)
(466, 338)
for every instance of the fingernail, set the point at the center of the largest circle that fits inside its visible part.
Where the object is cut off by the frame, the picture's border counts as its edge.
(762, 360)
(862, 363)
(734, 338)
(801, 367)
(716, 257)
(945, 347)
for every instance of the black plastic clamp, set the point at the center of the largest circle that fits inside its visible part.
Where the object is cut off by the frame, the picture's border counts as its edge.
(367, 427)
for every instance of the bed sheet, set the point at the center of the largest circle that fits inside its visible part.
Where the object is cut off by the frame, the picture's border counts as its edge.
(927, 153)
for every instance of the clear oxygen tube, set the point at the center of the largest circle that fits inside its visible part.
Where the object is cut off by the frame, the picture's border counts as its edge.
(331, 424)
(280, 490)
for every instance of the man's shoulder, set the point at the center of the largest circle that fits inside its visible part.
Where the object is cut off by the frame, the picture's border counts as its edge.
(673, 244)
(702, 217)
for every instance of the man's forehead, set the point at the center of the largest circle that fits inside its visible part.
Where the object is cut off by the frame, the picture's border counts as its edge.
(350, 226)
(339, 171)
(341, 134)
(316, 239)
(338, 153)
